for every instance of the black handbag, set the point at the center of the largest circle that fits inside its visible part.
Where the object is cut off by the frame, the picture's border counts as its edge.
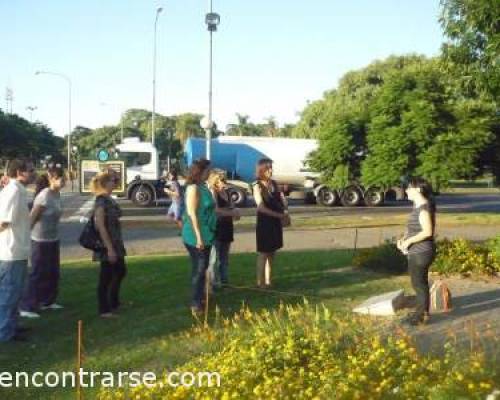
(90, 238)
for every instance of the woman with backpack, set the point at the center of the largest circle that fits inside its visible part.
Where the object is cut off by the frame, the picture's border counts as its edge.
(107, 214)
(43, 283)
(418, 244)
(272, 215)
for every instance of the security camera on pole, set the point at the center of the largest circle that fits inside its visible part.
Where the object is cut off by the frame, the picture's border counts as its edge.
(212, 20)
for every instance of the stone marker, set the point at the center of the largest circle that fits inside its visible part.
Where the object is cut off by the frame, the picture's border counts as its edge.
(384, 304)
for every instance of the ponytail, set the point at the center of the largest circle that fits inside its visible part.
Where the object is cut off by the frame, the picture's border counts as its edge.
(42, 182)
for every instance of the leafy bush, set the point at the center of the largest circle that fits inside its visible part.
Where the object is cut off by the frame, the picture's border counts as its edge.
(305, 353)
(384, 258)
(457, 256)
(464, 257)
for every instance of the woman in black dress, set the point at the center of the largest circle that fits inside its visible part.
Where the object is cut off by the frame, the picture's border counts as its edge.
(107, 214)
(272, 214)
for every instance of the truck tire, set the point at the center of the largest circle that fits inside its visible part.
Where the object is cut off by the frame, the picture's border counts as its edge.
(327, 197)
(351, 197)
(238, 196)
(142, 196)
(374, 197)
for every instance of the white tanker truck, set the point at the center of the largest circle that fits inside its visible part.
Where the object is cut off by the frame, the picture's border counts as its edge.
(238, 155)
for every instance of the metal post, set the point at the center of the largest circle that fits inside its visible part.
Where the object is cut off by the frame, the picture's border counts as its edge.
(153, 130)
(68, 81)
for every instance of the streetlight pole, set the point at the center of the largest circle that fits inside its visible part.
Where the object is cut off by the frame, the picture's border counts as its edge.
(153, 133)
(68, 81)
(31, 109)
(212, 20)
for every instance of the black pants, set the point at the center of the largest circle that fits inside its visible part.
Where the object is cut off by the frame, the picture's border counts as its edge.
(199, 264)
(110, 279)
(418, 267)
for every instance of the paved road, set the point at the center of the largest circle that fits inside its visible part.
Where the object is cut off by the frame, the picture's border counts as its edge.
(142, 239)
(467, 203)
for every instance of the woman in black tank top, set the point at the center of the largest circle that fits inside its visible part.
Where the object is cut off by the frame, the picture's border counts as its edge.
(418, 245)
(224, 234)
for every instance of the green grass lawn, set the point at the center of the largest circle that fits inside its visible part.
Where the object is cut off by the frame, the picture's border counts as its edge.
(156, 297)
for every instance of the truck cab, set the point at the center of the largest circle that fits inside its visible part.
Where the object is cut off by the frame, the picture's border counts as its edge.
(144, 180)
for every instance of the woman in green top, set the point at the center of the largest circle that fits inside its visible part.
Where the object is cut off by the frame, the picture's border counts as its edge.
(198, 230)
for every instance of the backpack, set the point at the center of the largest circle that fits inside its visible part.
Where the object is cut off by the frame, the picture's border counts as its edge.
(90, 238)
(440, 297)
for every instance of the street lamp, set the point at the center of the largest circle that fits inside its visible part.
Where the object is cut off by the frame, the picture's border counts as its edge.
(212, 20)
(68, 81)
(158, 11)
(31, 109)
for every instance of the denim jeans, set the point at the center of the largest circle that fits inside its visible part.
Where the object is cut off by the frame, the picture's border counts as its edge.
(12, 276)
(418, 267)
(219, 263)
(199, 263)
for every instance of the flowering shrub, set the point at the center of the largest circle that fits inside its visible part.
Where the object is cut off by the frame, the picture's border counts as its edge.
(384, 258)
(465, 257)
(457, 256)
(302, 352)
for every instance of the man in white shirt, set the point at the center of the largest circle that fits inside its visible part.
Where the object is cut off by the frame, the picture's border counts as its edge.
(14, 245)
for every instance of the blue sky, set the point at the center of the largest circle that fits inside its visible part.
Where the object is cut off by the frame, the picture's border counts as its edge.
(270, 56)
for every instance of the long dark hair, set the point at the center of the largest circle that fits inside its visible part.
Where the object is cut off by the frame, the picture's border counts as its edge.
(43, 181)
(426, 191)
(196, 171)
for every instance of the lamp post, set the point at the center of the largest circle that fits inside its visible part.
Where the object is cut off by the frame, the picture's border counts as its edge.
(68, 81)
(153, 133)
(31, 109)
(212, 20)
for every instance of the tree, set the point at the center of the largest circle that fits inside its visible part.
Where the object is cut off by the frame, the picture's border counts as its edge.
(21, 138)
(395, 118)
(473, 30)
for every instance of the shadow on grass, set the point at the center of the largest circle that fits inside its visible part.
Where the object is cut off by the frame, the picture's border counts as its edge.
(155, 297)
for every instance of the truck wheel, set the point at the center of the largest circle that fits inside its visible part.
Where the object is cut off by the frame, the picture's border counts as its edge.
(142, 196)
(351, 197)
(374, 197)
(327, 197)
(238, 196)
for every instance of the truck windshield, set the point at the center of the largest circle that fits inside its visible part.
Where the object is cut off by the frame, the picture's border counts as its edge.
(134, 159)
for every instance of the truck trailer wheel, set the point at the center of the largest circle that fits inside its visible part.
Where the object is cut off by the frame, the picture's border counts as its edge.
(142, 196)
(374, 197)
(238, 196)
(327, 197)
(351, 197)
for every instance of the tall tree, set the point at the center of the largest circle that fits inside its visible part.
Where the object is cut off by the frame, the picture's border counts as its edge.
(473, 30)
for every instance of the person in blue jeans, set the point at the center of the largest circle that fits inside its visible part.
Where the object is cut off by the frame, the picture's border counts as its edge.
(15, 242)
(224, 232)
(198, 228)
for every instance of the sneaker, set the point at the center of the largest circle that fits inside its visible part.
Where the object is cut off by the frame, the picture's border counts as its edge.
(29, 314)
(53, 306)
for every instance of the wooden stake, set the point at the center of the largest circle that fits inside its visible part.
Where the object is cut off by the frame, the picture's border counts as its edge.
(79, 350)
(207, 282)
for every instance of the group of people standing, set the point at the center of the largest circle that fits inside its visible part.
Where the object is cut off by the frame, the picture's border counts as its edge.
(208, 229)
(28, 235)
(204, 213)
